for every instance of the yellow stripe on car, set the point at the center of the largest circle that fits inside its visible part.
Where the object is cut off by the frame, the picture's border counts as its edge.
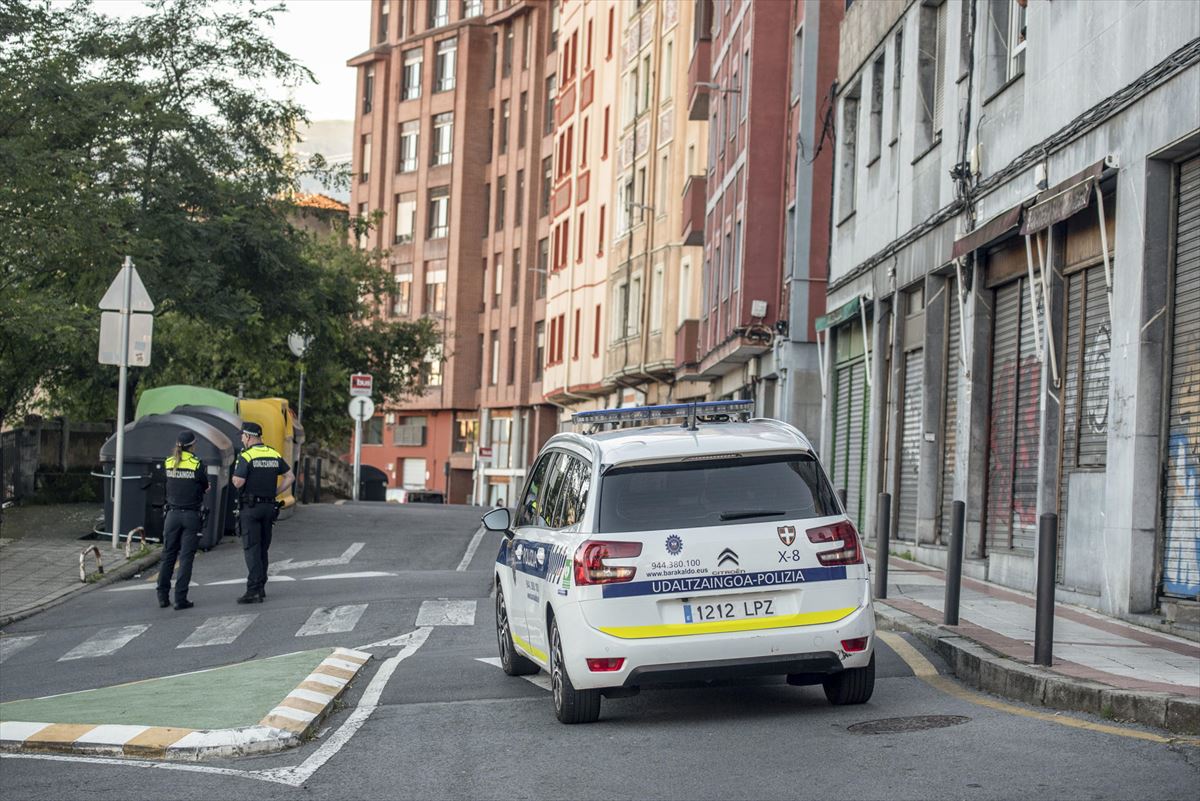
(528, 648)
(722, 626)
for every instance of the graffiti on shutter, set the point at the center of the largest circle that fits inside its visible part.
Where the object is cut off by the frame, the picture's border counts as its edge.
(857, 445)
(1002, 414)
(910, 445)
(950, 418)
(1181, 481)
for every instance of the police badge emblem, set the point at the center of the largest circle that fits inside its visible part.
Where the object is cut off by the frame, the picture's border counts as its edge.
(787, 534)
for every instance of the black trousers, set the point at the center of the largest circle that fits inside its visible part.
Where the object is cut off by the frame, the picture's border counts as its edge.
(181, 536)
(255, 524)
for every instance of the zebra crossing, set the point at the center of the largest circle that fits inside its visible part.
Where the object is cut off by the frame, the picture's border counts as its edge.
(222, 630)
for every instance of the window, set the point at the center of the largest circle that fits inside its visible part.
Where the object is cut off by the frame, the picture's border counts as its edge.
(600, 233)
(525, 28)
(487, 210)
(583, 143)
(406, 158)
(685, 286)
(552, 45)
(547, 185)
(587, 48)
(472, 8)
(498, 279)
(548, 115)
(439, 212)
(466, 432)
(1005, 43)
(633, 323)
(575, 336)
(743, 96)
(797, 64)
(620, 308)
(494, 374)
(604, 141)
(435, 287)
(660, 199)
(515, 279)
(579, 237)
(930, 57)
(412, 75)
(608, 51)
(848, 164)
(442, 150)
(361, 224)
(644, 87)
(491, 135)
(737, 254)
(512, 356)
(505, 113)
(558, 343)
(364, 158)
(406, 217)
(656, 300)
(875, 142)
(501, 200)
(495, 55)
(897, 78)
(543, 268)
(667, 72)
(432, 367)
(409, 431)
(596, 333)
(624, 206)
(640, 203)
(522, 124)
(439, 13)
(402, 296)
(373, 431)
(445, 65)
(385, 9)
(519, 204)
(539, 349)
(506, 60)
(368, 88)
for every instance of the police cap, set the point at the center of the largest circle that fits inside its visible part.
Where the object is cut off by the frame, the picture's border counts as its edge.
(253, 429)
(186, 438)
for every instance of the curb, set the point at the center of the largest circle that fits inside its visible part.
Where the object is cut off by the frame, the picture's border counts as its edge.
(120, 574)
(287, 725)
(977, 667)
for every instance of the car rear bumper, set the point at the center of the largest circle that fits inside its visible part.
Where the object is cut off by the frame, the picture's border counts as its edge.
(822, 663)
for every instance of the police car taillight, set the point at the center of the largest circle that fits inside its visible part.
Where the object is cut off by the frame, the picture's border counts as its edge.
(590, 567)
(843, 532)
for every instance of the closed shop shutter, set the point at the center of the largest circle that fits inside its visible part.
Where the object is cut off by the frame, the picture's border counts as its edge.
(1005, 352)
(910, 445)
(841, 428)
(1028, 430)
(857, 445)
(1181, 485)
(414, 474)
(950, 418)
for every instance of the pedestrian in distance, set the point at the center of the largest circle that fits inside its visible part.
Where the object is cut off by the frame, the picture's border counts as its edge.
(256, 476)
(187, 483)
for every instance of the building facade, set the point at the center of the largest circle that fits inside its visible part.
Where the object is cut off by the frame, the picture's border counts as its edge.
(1013, 274)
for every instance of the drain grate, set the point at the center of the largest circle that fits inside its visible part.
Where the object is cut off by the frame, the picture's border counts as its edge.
(901, 725)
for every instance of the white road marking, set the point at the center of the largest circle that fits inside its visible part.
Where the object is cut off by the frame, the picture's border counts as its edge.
(243, 581)
(104, 642)
(330, 620)
(401, 640)
(11, 645)
(143, 585)
(218, 631)
(364, 574)
(470, 554)
(539, 679)
(446, 613)
(344, 559)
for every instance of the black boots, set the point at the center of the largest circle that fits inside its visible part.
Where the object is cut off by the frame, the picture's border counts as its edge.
(250, 598)
(184, 604)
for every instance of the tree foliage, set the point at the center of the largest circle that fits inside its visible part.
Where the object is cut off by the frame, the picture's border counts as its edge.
(152, 136)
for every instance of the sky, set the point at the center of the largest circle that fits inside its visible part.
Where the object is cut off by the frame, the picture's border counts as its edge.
(322, 35)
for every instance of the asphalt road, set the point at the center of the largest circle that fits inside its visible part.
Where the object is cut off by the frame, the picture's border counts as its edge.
(443, 724)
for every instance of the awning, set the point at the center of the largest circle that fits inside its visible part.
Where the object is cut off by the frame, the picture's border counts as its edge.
(847, 311)
(1058, 207)
(990, 231)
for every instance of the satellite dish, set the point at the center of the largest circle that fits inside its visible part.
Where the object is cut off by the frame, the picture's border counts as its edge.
(299, 344)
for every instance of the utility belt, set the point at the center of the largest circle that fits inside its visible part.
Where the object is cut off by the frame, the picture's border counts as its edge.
(251, 500)
(171, 508)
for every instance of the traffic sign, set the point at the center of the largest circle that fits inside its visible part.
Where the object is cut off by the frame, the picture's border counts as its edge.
(141, 334)
(139, 299)
(360, 384)
(298, 343)
(361, 409)
(485, 452)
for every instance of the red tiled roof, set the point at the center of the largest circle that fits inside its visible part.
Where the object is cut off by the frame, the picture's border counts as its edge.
(318, 201)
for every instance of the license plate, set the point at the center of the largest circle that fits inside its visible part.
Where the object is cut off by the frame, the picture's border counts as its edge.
(731, 609)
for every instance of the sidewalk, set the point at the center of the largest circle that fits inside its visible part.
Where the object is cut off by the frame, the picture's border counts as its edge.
(39, 558)
(1101, 665)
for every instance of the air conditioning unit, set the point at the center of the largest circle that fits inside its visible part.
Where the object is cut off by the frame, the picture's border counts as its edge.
(391, 419)
(758, 308)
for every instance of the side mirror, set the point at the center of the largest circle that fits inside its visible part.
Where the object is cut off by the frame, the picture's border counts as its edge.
(499, 520)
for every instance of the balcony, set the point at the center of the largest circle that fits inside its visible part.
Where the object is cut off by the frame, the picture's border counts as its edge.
(695, 196)
(686, 339)
(699, 70)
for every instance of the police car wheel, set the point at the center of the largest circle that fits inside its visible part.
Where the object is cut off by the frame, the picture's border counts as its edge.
(851, 686)
(513, 663)
(570, 705)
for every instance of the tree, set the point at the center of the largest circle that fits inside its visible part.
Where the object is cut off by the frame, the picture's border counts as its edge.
(153, 137)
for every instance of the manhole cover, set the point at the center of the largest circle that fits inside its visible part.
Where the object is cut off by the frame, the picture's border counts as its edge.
(900, 725)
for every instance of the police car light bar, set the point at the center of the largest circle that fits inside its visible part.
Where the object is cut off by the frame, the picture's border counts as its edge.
(670, 411)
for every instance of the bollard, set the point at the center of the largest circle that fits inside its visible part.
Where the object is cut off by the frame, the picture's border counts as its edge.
(317, 486)
(306, 493)
(140, 532)
(1047, 566)
(841, 493)
(954, 564)
(883, 520)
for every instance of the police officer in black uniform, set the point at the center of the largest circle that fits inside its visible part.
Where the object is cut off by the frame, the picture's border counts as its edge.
(187, 482)
(258, 467)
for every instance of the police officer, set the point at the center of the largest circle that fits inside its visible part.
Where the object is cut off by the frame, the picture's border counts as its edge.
(187, 482)
(258, 467)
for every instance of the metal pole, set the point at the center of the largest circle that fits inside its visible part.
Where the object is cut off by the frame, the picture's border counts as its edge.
(357, 453)
(1043, 635)
(300, 402)
(954, 564)
(882, 521)
(122, 384)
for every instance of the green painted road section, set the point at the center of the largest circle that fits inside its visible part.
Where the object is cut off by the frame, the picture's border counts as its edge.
(221, 698)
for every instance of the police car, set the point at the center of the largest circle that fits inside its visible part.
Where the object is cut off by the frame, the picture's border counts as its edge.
(710, 549)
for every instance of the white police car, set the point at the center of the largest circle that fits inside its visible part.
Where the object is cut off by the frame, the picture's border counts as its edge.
(670, 553)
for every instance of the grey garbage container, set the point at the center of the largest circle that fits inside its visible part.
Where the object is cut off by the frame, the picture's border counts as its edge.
(230, 425)
(372, 484)
(148, 441)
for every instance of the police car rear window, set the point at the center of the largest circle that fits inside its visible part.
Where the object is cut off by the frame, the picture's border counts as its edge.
(722, 492)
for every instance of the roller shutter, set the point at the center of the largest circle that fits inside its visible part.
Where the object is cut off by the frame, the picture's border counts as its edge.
(841, 428)
(1028, 431)
(910, 445)
(1181, 484)
(950, 418)
(1006, 331)
(856, 461)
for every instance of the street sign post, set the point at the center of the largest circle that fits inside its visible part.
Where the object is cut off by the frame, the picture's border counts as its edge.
(361, 409)
(126, 295)
(360, 384)
(298, 343)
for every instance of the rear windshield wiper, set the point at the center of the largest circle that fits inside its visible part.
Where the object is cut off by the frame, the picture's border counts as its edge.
(741, 515)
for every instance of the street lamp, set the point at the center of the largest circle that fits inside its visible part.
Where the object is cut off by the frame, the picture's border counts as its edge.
(298, 343)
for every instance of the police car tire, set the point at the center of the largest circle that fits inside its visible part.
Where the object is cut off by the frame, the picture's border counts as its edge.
(570, 705)
(512, 662)
(851, 686)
